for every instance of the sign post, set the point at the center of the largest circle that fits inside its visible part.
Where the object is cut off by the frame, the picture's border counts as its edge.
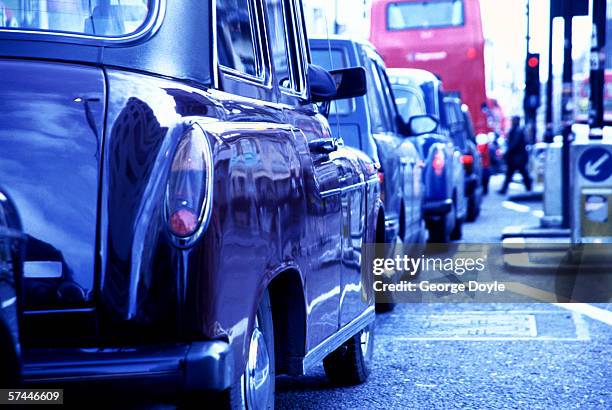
(591, 183)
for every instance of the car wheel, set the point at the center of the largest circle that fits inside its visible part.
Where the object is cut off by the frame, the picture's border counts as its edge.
(350, 363)
(384, 307)
(9, 371)
(473, 209)
(255, 389)
(457, 232)
(438, 230)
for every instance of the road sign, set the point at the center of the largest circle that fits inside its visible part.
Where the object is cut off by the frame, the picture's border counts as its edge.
(596, 164)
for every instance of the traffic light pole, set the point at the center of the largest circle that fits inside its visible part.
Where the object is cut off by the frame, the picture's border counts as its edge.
(598, 64)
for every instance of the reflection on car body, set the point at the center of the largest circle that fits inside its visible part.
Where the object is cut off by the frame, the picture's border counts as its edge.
(190, 218)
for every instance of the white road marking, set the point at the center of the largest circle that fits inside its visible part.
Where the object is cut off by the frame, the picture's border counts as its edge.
(601, 315)
(513, 206)
(8, 303)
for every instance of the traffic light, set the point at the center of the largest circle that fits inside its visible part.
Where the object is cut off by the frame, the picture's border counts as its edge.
(532, 85)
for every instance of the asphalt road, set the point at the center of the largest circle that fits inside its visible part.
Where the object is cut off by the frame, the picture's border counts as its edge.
(447, 356)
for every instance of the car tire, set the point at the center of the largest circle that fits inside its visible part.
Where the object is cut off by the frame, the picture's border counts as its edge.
(457, 232)
(250, 392)
(438, 230)
(384, 307)
(350, 363)
(473, 209)
(10, 369)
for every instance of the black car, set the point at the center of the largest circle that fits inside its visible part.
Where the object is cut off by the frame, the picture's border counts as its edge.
(190, 220)
(11, 255)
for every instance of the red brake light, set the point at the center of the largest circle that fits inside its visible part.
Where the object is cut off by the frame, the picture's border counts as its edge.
(472, 53)
(183, 222)
(468, 163)
(467, 160)
(438, 163)
(189, 190)
(381, 177)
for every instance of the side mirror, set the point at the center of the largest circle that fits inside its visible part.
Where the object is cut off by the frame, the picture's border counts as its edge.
(422, 124)
(336, 85)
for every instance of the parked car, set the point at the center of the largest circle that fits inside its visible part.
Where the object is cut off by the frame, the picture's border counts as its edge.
(462, 132)
(418, 92)
(372, 123)
(191, 221)
(11, 252)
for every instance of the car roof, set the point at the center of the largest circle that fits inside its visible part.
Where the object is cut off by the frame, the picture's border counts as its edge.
(411, 76)
(340, 40)
(164, 50)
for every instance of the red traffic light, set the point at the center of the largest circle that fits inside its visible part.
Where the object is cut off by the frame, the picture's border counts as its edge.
(533, 62)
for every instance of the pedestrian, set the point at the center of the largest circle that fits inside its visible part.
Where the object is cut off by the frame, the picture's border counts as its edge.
(516, 155)
(549, 135)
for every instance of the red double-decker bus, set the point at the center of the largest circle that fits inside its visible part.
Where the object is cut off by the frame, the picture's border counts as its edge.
(441, 36)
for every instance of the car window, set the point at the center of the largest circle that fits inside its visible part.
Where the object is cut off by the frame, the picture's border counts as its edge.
(104, 18)
(333, 59)
(425, 14)
(387, 94)
(375, 99)
(277, 24)
(450, 113)
(235, 44)
(409, 104)
(302, 51)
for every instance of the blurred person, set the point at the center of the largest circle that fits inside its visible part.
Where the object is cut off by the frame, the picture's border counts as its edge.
(516, 156)
(549, 135)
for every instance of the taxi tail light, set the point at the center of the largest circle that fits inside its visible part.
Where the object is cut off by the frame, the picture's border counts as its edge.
(189, 189)
(381, 179)
(438, 163)
(468, 163)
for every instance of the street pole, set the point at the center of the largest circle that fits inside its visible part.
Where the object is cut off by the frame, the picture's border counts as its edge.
(549, 83)
(567, 109)
(598, 64)
(528, 37)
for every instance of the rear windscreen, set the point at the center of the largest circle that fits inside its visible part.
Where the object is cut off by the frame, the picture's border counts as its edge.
(425, 14)
(100, 18)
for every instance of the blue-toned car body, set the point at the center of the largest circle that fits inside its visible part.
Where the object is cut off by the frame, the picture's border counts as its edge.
(355, 122)
(12, 243)
(419, 92)
(88, 132)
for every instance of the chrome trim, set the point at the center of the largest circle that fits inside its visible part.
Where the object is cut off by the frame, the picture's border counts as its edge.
(149, 28)
(215, 58)
(317, 354)
(337, 191)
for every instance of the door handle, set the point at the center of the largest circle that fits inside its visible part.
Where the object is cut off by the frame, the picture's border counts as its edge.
(323, 145)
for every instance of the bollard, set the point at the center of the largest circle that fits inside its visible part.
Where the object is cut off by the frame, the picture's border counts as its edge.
(552, 187)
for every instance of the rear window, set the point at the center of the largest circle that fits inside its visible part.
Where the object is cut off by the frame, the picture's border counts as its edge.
(100, 18)
(408, 103)
(425, 14)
